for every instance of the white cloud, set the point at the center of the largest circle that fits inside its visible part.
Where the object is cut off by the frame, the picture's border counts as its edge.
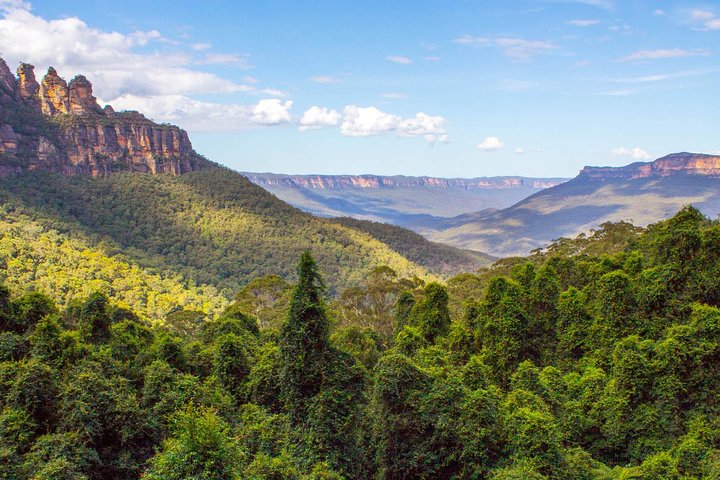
(490, 144)
(663, 76)
(421, 125)
(196, 115)
(323, 79)
(108, 59)
(200, 46)
(659, 12)
(394, 95)
(636, 153)
(316, 117)
(225, 59)
(368, 121)
(432, 58)
(363, 122)
(398, 59)
(512, 47)
(707, 19)
(642, 55)
(702, 15)
(272, 111)
(519, 151)
(583, 23)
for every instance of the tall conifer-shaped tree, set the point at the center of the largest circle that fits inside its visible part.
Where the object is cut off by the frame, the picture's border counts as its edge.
(304, 343)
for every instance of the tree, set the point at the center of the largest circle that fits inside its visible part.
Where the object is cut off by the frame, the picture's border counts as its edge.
(304, 341)
(200, 448)
(431, 314)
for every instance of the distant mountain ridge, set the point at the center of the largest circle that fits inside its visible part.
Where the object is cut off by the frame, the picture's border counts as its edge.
(675, 163)
(410, 202)
(397, 181)
(641, 193)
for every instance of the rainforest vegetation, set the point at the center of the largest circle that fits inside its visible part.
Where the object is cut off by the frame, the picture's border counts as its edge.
(596, 358)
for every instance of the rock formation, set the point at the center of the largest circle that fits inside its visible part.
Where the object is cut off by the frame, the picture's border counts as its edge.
(337, 182)
(54, 94)
(28, 87)
(56, 126)
(676, 163)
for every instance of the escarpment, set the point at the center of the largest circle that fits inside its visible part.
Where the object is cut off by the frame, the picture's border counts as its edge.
(59, 126)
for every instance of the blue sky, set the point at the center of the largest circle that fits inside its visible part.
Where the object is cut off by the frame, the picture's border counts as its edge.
(443, 88)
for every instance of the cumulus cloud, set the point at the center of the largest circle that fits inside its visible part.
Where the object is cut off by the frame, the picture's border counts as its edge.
(398, 59)
(659, 12)
(108, 59)
(583, 22)
(512, 47)
(643, 55)
(196, 115)
(366, 121)
(491, 144)
(316, 117)
(369, 121)
(272, 111)
(636, 153)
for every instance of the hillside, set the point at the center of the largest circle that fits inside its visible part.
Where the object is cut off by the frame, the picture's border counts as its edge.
(411, 202)
(139, 188)
(440, 258)
(33, 257)
(596, 361)
(641, 193)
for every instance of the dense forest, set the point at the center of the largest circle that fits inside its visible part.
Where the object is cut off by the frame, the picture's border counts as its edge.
(211, 226)
(596, 358)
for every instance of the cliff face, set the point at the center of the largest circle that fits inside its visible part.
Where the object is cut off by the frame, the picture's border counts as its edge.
(676, 163)
(59, 126)
(337, 182)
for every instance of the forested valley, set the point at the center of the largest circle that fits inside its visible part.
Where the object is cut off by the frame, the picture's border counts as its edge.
(595, 358)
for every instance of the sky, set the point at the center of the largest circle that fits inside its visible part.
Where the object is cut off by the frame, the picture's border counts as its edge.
(450, 88)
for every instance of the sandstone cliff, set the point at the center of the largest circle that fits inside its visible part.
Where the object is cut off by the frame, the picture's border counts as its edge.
(337, 182)
(676, 163)
(59, 126)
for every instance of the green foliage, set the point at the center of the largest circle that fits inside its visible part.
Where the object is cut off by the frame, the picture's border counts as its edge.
(431, 314)
(207, 227)
(304, 340)
(200, 447)
(569, 366)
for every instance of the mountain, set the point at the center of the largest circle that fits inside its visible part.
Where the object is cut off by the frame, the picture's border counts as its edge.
(411, 202)
(58, 126)
(641, 193)
(439, 258)
(126, 185)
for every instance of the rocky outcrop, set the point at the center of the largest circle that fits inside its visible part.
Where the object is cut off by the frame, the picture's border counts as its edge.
(28, 87)
(7, 80)
(337, 182)
(54, 94)
(80, 97)
(676, 163)
(60, 127)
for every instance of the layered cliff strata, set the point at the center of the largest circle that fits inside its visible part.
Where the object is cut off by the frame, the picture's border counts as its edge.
(337, 182)
(59, 126)
(676, 163)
